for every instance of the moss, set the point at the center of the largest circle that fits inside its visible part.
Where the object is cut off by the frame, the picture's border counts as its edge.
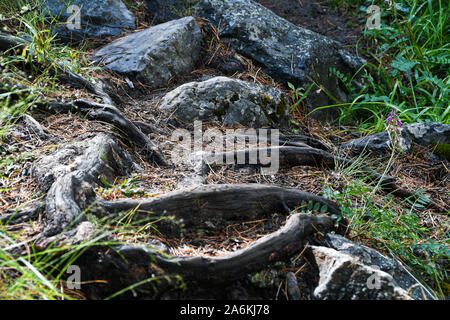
(282, 107)
(266, 99)
(442, 150)
(264, 279)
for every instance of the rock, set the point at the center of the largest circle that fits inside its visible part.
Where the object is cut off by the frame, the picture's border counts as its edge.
(343, 277)
(416, 133)
(228, 100)
(292, 287)
(156, 54)
(401, 277)
(98, 18)
(286, 52)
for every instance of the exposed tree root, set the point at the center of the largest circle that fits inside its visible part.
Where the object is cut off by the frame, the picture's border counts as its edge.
(220, 203)
(284, 243)
(112, 115)
(71, 195)
(294, 140)
(27, 213)
(290, 156)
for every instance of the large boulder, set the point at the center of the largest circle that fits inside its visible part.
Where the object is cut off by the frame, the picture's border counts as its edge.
(228, 100)
(286, 52)
(156, 54)
(99, 18)
(353, 271)
(424, 134)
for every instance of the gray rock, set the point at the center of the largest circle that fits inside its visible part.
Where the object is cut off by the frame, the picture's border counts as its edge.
(285, 51)
(156, 54)
(401, 277)
(342, 277)
(293, 290)
(228, 100)
(415, 133)
(98, 18)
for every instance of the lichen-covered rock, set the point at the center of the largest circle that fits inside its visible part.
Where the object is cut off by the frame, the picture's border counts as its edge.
(286, 52)
(342, 248)
(156, 54)
(343, 277)
(98, 18)
(416, 133)
(228, 100)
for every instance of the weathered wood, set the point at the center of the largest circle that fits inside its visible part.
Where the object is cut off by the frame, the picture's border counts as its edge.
(289, 156)
(29, 212)
(220, 203)
(295, 140)
(278, 246)
(112, 115)
(72, 193)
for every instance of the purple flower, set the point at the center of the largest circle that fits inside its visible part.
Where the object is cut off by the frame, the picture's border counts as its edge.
(391, 116)
(393, 123)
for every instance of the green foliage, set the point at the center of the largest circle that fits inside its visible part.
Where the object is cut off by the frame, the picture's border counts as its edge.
(38, 59)
(311, 207)
(38, 274)
(298, 95)
(399, 230)
(407, 68)
(442, 150)
(127, 188)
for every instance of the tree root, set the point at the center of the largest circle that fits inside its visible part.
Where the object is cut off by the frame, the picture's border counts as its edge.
(278, 246)
(290, 156)
(216, 204)
(71, 195)
(112, 115)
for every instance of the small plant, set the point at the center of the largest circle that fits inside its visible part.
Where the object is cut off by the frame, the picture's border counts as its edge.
(393, 125)
(406, 69)
(127, 188)
(396, 227)
(297, 95)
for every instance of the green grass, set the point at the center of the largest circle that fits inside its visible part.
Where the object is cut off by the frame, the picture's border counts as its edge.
(384, 223)
(42, 53)
(37, 274)
(43, 275)
(407, 65)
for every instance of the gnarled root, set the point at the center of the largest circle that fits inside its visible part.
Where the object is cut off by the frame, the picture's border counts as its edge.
(112, 115)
